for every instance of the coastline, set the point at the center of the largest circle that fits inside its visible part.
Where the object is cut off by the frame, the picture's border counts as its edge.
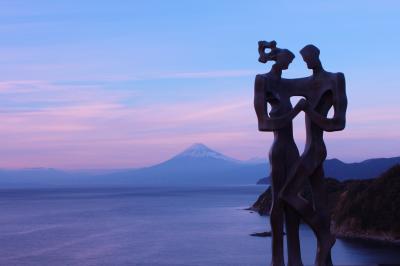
(375, 237)
(383, 238)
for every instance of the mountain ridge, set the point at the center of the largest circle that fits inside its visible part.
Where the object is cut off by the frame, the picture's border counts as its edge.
(196, 165)
(341, 171)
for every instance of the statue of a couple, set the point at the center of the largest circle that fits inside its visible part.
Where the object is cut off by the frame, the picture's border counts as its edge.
(290, 171)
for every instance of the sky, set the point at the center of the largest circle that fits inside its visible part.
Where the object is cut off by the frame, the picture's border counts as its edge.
(121, 84)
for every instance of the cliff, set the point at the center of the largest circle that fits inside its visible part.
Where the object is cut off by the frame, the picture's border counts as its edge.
(365, 209)
(370, 209)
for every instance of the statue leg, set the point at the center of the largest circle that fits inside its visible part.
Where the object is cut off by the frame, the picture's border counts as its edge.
(291, 190)
(320, 198)
(290, 194)
(292, 222)
(292, 236)
(277, 214)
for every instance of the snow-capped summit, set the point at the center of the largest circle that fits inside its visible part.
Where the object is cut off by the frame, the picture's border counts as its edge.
(199, 150)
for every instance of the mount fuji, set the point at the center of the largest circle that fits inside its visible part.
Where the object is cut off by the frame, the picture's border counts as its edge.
(199, 150)
(198, 165)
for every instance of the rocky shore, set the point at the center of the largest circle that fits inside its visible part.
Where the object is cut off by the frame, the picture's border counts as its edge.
(370, 236)
(360, 209)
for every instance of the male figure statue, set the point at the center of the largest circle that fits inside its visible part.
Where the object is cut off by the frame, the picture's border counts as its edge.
(324, 90)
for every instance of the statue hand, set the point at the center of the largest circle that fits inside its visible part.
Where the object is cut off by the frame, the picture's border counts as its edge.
(302, 105)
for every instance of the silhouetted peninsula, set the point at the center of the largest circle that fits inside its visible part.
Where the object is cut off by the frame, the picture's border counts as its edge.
(360, 209)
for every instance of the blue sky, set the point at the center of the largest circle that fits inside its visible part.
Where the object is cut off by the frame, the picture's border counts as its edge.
(108, 84)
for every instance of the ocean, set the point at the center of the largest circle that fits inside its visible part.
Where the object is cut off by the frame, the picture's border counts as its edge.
(150, 226)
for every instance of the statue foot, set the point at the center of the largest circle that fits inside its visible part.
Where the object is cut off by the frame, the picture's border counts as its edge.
(329, 260)
(324, 250)
(294, 259)
(295, 263)
(277, 263)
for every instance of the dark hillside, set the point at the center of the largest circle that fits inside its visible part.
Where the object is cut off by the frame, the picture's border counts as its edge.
(367, 209)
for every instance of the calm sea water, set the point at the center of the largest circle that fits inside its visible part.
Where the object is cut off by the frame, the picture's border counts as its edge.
(149, 226)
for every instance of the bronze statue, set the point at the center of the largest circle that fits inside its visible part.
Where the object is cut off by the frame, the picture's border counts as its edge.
(269, 89)
(322, 91)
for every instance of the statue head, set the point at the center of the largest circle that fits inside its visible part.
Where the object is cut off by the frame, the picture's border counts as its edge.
(310, 54)
(282, 57)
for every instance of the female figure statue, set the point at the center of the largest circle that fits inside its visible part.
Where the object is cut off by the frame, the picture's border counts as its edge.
(270, 88)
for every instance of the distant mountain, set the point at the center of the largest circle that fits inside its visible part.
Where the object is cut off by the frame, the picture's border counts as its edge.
(264, 180)
(362, 170)
(198, 164)
(344, 171)
(201, 151)
(256, 160)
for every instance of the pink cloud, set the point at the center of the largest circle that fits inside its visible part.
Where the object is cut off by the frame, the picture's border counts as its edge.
(95, 130)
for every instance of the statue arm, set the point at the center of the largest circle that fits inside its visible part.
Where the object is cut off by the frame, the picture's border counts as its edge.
(266, 123)
(260, 105)
(338, 121)
(297, 86)
(272, 124)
